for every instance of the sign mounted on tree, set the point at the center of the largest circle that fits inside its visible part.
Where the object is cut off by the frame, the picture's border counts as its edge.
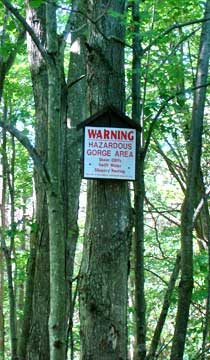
(109, 150)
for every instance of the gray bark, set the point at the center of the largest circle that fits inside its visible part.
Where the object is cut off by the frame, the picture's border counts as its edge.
(76, 112)
(28, 307)
(57, 319)
(2, 329)
(64, 147)
(186, 283)
(9, 249)
(139, 195)
(206, 330)
(38, 338)
(166, 304)
(104, 272)
(103, 284)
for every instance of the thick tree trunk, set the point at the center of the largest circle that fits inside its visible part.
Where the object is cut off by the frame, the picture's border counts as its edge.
(186, 283)
(103, 282)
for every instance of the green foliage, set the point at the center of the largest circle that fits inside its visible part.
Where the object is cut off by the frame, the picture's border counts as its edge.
(36, 3)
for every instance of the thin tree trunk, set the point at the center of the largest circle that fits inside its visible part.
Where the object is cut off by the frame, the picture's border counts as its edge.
(76, 112)
(206, 330)
(2, 330)
(8, 249)
(21, 287)
(186, 283)
(28, 303)
(139, 195)
(2, 270)
(166, 303)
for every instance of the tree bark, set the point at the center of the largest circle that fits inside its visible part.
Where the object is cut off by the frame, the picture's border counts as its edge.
(2, 330)
(103, 284)
(38, 338)
(206, 330)
(186, 283)
(104, 272)
(166, 303)
(8, 249)
(139, 194)
(63, 162)
(2, 271)
(76, 112)
(57, 319)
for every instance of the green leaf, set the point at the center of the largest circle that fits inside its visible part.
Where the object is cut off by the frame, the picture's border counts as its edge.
(36, 3)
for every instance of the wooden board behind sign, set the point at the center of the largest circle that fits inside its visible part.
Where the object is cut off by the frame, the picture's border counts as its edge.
(109, 153)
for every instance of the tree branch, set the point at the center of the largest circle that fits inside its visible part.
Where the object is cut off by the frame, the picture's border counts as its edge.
(201, 204)
(173, 27)
(75, 81)
(171, 219)
(29, 147)
(9, 62)
(162, 108)
(26, 26)
(175, 170)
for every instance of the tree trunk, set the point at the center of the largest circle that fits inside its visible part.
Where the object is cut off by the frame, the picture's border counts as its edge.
(57, 319)
(63, 162)
(166, 303)
(76, 112)
(37, 337)
(139, 194)
(2, 270)
(28, 308)
(206, 330)
(103, 282)
(8, 249)
(186, 283)
(2, 330)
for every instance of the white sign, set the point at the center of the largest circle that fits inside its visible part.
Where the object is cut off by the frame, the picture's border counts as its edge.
(109, 153)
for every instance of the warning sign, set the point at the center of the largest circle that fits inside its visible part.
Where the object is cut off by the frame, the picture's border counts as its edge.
(109, 153)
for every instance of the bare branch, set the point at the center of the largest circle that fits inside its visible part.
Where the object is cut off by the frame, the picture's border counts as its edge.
(157, 275)
(170, 218)
(75, 81)
(162, 108)
(173, 27)
(175, 170)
